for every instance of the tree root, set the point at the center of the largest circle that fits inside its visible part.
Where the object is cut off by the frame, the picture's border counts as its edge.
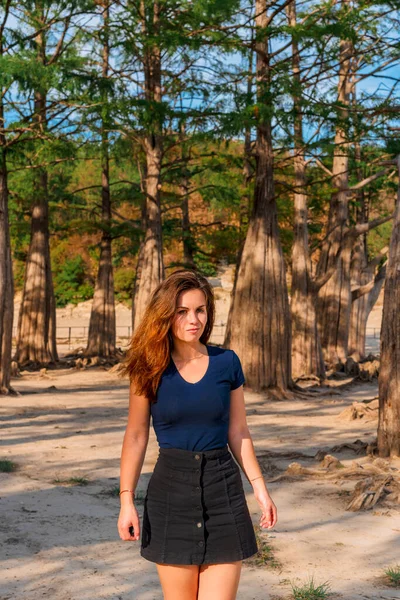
(367, 492)
(367, 410)
(359, 447)
(9, 391)
(379, 480)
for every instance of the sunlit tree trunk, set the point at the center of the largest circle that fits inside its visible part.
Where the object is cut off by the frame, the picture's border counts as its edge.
(36, 337)
(184, 188)
(307, 359)
(246, 200)
(102, 326)
(389, 372)
(365, 285)
(150, 268)
(6, 275)
(334, 298)
(259, 325)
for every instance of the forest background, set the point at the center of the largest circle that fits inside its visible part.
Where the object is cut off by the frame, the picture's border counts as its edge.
(138, 137)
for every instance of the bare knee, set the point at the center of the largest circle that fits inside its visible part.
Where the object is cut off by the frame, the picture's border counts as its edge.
(219, 581)
(179, 582)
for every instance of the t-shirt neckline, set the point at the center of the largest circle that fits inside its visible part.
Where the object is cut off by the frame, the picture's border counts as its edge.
(200, 380)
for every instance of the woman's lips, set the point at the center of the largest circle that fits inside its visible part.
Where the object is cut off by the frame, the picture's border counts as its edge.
(192, 330)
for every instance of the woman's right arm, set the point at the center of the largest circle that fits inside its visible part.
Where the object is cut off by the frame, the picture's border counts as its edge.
(132, 456)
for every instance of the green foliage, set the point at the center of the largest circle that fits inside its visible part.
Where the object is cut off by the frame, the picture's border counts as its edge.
(379, 238)
(18, 274)
(393, 574)
(207, 106)
(71, 481)
(265, 557)
(7, 466)
(123, 284)
(205, 266)
(70, 284)
(311, 591)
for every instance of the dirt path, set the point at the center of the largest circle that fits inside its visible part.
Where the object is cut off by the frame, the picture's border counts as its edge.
(61, 542)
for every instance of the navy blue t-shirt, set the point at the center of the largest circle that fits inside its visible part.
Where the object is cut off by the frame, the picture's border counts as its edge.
(195, 416)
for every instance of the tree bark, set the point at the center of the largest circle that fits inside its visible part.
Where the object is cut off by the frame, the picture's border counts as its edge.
(36, 337)
(334, 298)
(102, 326)
(388, 439)
(150, 268)
(364, 285)
(6, 274)
(361, 308)
(245, 204)
(187, 237)
(259, 327)
(307, 359)
(188, 242)
(359, 273)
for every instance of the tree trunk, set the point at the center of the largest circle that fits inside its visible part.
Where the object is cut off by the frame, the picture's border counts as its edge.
(188, 242)
(359, 273)
(259, 327)
(6, 275)
(307, 359)
(361, 308)
(389, 373)
(245, 203)
(150, 271)
(359, 276)
(102, 326)
(37, 316)
(187, 237)
(365, 286)
(36, 338)
(334, 298)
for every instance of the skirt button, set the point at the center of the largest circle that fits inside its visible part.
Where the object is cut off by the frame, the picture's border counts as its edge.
(199, 524)
(197, 456)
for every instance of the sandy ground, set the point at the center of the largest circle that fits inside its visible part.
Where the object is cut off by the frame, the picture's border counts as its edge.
(61, 542)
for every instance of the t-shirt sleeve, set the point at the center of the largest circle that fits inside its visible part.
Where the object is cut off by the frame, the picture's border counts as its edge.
(237, 372)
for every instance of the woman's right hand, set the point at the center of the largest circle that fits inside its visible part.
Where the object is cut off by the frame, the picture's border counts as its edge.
(128, 516)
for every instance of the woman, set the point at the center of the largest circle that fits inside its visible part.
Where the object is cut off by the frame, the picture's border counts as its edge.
(196, 523)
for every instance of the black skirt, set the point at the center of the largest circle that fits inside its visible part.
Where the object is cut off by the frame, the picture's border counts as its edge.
(195, 510)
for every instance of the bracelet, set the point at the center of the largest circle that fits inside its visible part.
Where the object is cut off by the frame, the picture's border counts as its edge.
(259, 477)
(133, 491)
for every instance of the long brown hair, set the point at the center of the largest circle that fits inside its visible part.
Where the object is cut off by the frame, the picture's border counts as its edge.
(149, 351)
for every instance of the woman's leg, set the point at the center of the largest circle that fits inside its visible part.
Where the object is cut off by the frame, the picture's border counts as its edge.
(219, 581)
(178, 582)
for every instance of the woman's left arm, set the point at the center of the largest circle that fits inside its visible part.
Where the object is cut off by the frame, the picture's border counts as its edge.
(241, 444)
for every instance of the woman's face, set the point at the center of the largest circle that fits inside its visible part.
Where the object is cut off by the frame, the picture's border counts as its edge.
(190, 316)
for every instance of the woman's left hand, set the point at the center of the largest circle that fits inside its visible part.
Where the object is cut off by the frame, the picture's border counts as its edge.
(269, 515)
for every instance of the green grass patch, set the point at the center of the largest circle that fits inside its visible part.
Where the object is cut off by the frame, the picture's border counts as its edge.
(393, 573)
(114, 491)
(311, 591)
(7, 466)
(71, 481)
(265, 555)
